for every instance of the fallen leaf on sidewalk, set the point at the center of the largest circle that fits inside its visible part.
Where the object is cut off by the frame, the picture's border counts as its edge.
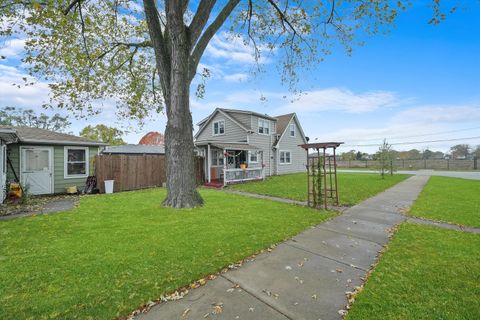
(184, 314)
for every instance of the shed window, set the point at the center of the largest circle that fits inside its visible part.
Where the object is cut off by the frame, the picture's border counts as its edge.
(76, 162)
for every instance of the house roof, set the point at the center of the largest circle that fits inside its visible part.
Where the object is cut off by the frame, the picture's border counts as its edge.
(283, 121)
(135, 149)
(37, 135)
(232, 112)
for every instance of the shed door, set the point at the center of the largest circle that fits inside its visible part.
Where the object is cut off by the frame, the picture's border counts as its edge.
(37, 170)
(3, 171)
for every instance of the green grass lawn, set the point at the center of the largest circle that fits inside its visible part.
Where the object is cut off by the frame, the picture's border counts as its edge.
(353, 187)
(426, 273)
(451, 200)
(116, 252)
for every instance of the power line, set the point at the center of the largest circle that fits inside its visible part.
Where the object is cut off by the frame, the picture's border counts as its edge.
(420, 135)
(412, 142)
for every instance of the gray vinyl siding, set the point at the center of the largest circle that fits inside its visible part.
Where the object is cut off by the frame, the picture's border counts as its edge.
(298, 155)
(233, 132)
(265, 143)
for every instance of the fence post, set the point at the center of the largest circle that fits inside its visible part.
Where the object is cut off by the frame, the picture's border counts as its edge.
(475, 163)
(448, 164)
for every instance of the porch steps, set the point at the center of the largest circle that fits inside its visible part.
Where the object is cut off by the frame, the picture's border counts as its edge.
(213, 184)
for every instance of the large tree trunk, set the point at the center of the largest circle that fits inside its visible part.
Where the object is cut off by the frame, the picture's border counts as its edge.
(181, 179)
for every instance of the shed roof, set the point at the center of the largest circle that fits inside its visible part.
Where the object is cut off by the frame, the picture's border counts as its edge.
(38, 135)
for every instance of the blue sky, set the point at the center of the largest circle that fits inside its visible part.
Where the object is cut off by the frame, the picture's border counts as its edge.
(421, 82)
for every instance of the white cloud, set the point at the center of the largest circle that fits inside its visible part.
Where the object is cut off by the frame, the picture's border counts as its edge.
(440, 114)
(12, 48)
(235, 50)
(236, 77)
(23, 96)
(339, 99)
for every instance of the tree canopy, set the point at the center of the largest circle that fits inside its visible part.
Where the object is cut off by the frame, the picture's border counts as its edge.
(101, 132)
(27, 117)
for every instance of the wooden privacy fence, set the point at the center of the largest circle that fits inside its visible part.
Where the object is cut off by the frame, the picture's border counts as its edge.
(136, 171)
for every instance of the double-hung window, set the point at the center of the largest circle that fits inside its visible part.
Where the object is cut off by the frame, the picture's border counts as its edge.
(76, 162)
(292, 130)
(285, 157)
(253, 157)
(263, 126)
(219, 127)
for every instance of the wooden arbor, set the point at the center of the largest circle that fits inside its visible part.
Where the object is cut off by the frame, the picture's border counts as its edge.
(322, 174)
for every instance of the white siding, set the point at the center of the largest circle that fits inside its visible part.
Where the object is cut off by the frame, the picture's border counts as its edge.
(233, 132)
(298, 154)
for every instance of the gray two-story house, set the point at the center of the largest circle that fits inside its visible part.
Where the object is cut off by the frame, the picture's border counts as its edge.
(243, 145)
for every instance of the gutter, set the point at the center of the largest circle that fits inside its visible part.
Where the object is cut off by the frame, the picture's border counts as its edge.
(67, 143)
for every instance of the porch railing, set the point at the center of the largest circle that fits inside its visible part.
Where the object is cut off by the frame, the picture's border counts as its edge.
(241, 175)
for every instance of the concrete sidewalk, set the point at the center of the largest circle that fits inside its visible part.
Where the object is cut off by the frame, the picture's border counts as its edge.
(307, 276)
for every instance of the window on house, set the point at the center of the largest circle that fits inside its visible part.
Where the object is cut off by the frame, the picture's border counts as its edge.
(217, 158)
(219, 127)
(76, 162)
(292, 130)
(263, 126)
(285, 157)
(253, 157)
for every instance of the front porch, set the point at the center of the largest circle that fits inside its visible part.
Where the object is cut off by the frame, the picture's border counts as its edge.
(230, 163)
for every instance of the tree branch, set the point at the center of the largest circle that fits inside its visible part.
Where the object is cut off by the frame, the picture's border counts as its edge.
(200, 20)
(202, 43)
(162, 55)
(71, 6)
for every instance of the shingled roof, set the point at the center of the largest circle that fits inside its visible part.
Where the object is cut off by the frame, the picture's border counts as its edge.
(37, 135)
(283, 121)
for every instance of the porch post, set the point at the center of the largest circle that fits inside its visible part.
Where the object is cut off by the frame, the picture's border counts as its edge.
(224, 168)
(209, 163)
(263, 166)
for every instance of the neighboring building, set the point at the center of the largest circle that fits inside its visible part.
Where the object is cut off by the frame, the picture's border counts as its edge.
(134, 149)
(46, 162)
(153, 138)
(246, 145)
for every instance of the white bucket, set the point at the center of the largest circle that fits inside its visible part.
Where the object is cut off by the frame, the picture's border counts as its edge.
(109, 186)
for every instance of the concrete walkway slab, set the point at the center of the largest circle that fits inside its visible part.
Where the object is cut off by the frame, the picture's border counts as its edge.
(218, 299)
(307, 276)
(295, 282)
(337, 246)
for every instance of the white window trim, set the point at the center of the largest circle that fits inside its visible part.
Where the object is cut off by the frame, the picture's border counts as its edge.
(280, 157)
(217, 155)
(213, 128)
(265, 121)
(65, 162)
(249, 157)
(294, 130)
